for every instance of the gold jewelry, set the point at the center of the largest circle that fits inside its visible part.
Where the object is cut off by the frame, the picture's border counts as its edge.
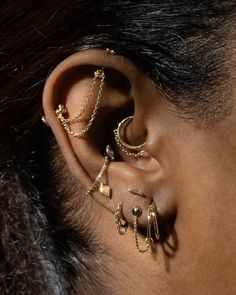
(121, 224)
(45, 122)
(137, 193)
(109, 156)
(137, 212)
(110, 51)
(130, 150)
(152, 220)
(61, 109)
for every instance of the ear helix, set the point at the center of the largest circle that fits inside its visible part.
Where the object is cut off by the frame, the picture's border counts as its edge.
(99, 183)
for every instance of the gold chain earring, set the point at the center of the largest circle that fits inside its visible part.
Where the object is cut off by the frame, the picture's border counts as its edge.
(137, 212)
(121, 224)
(67, 122)
(129, 150)
(104, 189)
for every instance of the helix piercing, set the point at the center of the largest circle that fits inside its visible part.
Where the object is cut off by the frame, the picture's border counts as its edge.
(126, 148)
(106, 190)
(121, 224)
(110, 51)
(45, 122)
(67, 122)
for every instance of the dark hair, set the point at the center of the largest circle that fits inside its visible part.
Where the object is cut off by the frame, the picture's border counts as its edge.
(184, 46)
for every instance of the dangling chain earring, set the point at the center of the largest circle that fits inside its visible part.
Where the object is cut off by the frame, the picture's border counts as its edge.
(137, 212)
(104, 189)
(121, 224)
(129, 150)
(61, 110)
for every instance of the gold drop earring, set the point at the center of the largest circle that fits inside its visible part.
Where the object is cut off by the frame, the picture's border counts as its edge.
(67, 122)
(104, 189)
(121, 224)
(137, 212)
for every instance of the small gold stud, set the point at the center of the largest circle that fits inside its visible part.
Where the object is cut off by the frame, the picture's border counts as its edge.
(137, 211)
(105, 190)
(110, 51)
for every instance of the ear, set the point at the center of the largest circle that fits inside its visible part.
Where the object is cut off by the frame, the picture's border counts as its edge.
(125, 91)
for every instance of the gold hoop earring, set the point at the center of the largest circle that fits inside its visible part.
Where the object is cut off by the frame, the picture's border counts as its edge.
(152, 221)
(67, 122)
(126, 148)
(121, 224)
(137, 212)
(104, 189)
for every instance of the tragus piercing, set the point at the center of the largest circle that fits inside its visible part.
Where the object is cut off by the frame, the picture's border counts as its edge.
(67, 122)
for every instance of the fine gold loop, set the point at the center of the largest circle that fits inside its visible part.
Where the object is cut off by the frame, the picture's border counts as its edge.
(130, 150)
(152, 220)
(121, 224)
(109, 156)
(61, 109)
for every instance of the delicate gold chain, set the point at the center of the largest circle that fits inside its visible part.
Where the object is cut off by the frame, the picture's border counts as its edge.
(148, 239)
(98, 178)
(61, 109)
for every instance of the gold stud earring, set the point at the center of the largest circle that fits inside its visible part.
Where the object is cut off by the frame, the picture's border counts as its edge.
(121, 224)
(106, 190)
(137, 212)
(45, 122)
(67, 122)
(110, 51)
(129, 150)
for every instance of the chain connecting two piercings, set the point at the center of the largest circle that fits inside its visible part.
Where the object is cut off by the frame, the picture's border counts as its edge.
(67, 122)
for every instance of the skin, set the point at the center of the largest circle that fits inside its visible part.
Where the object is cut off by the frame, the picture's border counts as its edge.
(189, 173)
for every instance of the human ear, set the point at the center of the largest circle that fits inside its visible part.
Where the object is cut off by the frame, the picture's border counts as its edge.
(124, 91)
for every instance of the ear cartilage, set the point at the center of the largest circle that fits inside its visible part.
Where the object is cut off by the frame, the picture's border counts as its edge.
(67, 122)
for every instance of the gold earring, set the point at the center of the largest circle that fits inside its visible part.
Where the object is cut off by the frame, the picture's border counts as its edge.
(121, 224)
(126, 148)
(110, 51)
(45, 122)
(137, 193)
(104, 189)
(137, 212)
(61, 109)
(152, 220)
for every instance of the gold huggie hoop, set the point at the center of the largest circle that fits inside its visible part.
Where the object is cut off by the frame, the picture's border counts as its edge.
(61, 109)
(152, 220)
(121, 224)
(137, 212)
(126, 148)
(104, 189)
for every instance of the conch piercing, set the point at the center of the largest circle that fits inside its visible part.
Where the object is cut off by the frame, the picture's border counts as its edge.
(121, 224)
(67, 122)
(103, 188)
(137, 212)
(126, 148)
